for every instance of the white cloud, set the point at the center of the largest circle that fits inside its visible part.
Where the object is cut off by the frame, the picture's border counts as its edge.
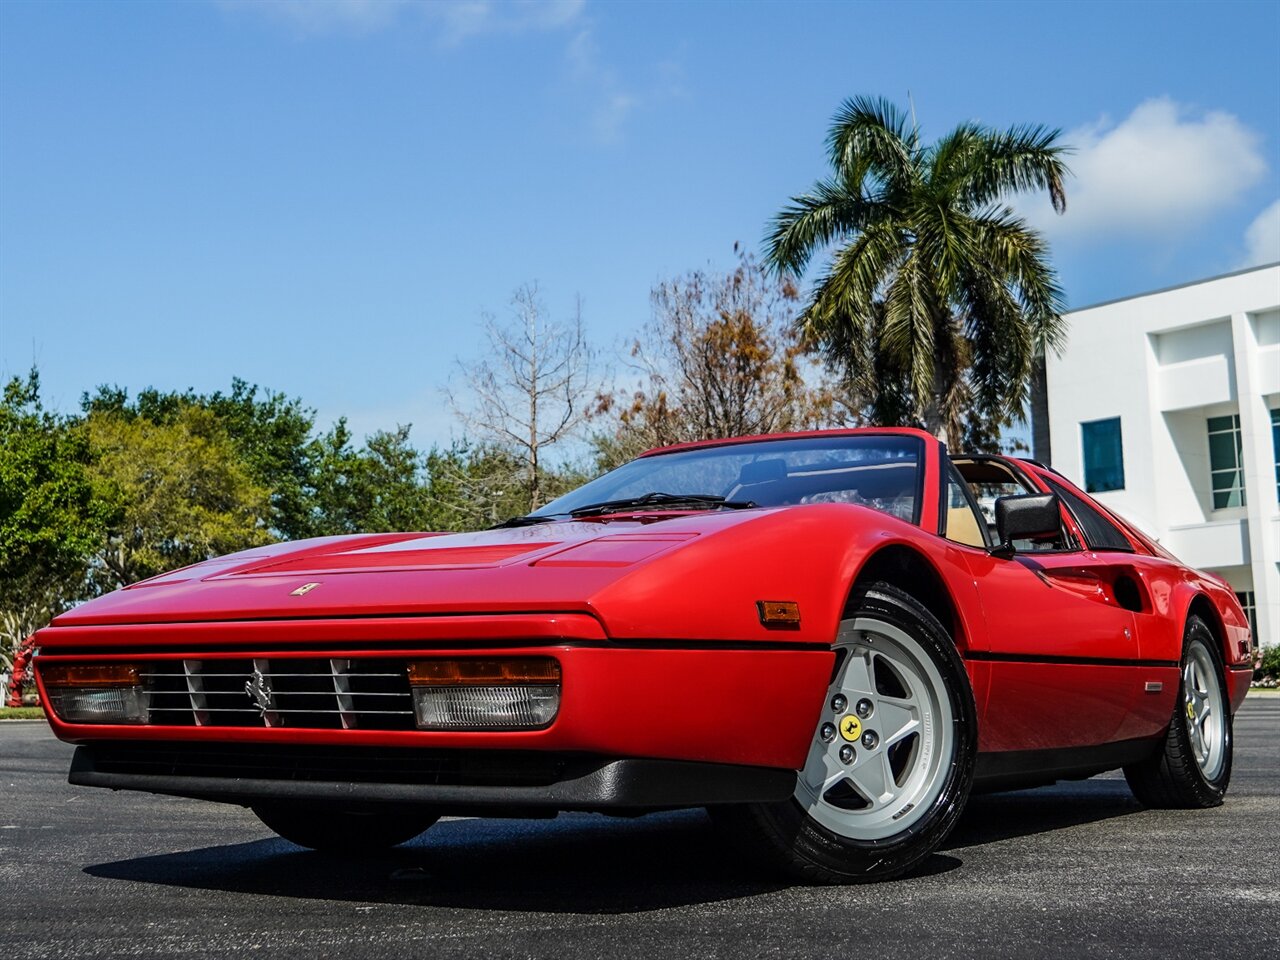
(1160, 171)
(456, 20)
(611, 99)
(589, 72)
(1262, 238)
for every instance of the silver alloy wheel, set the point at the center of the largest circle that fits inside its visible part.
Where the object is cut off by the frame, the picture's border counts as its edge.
(873, 772)
(1205, 708)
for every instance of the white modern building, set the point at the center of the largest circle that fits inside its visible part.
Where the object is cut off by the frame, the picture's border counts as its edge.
(1166, 407)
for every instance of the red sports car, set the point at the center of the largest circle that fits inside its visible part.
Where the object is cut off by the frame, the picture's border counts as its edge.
(828, 639)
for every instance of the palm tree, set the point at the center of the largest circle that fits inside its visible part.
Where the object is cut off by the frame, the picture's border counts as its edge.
(938, 298)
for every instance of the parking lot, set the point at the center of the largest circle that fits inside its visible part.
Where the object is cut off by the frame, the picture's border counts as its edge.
(1077, 869)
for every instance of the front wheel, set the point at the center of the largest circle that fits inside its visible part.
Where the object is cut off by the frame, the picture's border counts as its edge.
(335, 830)
(1193, 766)
(891, 762)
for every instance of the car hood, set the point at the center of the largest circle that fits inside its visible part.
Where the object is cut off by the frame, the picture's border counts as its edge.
(558, 566)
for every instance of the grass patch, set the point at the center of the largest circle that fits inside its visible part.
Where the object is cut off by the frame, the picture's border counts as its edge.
(21, 713)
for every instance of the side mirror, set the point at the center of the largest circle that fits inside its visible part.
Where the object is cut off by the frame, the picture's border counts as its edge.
(1031, 516)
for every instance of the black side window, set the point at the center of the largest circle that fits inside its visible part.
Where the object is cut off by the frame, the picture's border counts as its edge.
(1101, 533)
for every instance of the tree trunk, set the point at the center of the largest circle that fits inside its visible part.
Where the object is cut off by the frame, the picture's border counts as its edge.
(935, 415)
(1040, 438)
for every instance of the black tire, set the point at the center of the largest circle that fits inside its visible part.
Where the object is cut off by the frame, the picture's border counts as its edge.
(1172, 777)
(787, 835)
(335, 830)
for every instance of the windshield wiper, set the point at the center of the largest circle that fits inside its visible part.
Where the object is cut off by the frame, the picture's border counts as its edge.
(529, 520)
(656, 499)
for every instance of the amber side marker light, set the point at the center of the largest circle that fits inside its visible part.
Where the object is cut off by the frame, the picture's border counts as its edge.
(779, 613)
(485, 694)
(95, 693)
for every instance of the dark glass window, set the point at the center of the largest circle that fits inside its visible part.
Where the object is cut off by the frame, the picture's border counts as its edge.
(1226, 461)
(1275, 445)
(1100, 532)
(1103, 455)
(1247, 601)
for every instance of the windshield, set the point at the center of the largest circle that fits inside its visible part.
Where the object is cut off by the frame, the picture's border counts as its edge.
(881, 472)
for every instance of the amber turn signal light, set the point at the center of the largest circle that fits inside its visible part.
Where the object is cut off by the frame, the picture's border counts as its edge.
(475, 673)
(779, 613)
(89, 675)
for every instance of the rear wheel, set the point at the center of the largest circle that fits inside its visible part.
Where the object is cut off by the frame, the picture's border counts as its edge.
(891, 762)
(335, 830)
(1193, 766)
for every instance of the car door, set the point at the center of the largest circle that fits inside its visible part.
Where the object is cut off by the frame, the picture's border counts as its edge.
(1062, 642)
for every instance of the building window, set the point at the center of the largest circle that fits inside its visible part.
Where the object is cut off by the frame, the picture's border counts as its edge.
(1250, 612)
(1226, 466)
(1103, 455)
(1275, 445)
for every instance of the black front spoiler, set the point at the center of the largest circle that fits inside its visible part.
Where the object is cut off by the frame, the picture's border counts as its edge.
(449, 781)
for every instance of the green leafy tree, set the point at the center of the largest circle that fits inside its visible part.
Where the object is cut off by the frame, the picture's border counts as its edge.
(938, 298)
(335, 464)
(177, 492)
(377, 488)
(392, 482)
(50, 522)
(271, 434)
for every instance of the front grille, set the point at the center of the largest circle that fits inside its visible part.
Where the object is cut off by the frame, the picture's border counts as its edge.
(325, 764)
(300, 692)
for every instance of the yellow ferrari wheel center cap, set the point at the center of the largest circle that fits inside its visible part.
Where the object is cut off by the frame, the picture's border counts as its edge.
(1191, 710)
(850, 727)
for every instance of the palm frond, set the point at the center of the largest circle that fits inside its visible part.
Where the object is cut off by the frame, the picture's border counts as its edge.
(1022, 159)
(1016, 252)
(909, 320)
(856, 277)
(1001, 345)
(951, 154)
(870, 135)
(813, 220)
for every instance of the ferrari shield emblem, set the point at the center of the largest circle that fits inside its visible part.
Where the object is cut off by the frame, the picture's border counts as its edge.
(850, 727)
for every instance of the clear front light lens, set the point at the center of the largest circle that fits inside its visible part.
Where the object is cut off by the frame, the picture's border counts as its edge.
(485, 707)
(95, 693)
(99, 705)
(485, 693)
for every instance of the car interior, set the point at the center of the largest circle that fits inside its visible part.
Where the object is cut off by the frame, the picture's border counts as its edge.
(988, 479)
(887, 485)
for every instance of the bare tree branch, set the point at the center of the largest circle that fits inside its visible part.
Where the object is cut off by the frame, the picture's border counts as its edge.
(719, 358)
(530, 391)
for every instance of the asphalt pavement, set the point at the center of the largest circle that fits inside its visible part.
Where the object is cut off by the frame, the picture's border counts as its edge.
(1073, 870)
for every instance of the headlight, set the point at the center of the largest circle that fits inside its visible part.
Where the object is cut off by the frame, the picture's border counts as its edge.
(506, 694)
(101, 693)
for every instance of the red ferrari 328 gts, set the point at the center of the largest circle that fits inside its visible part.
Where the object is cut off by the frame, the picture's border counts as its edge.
(828, 639)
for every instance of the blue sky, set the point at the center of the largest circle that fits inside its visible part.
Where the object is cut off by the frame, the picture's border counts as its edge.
(324, 198)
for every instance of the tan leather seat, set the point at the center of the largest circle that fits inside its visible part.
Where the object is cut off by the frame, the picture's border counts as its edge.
(962, 527)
